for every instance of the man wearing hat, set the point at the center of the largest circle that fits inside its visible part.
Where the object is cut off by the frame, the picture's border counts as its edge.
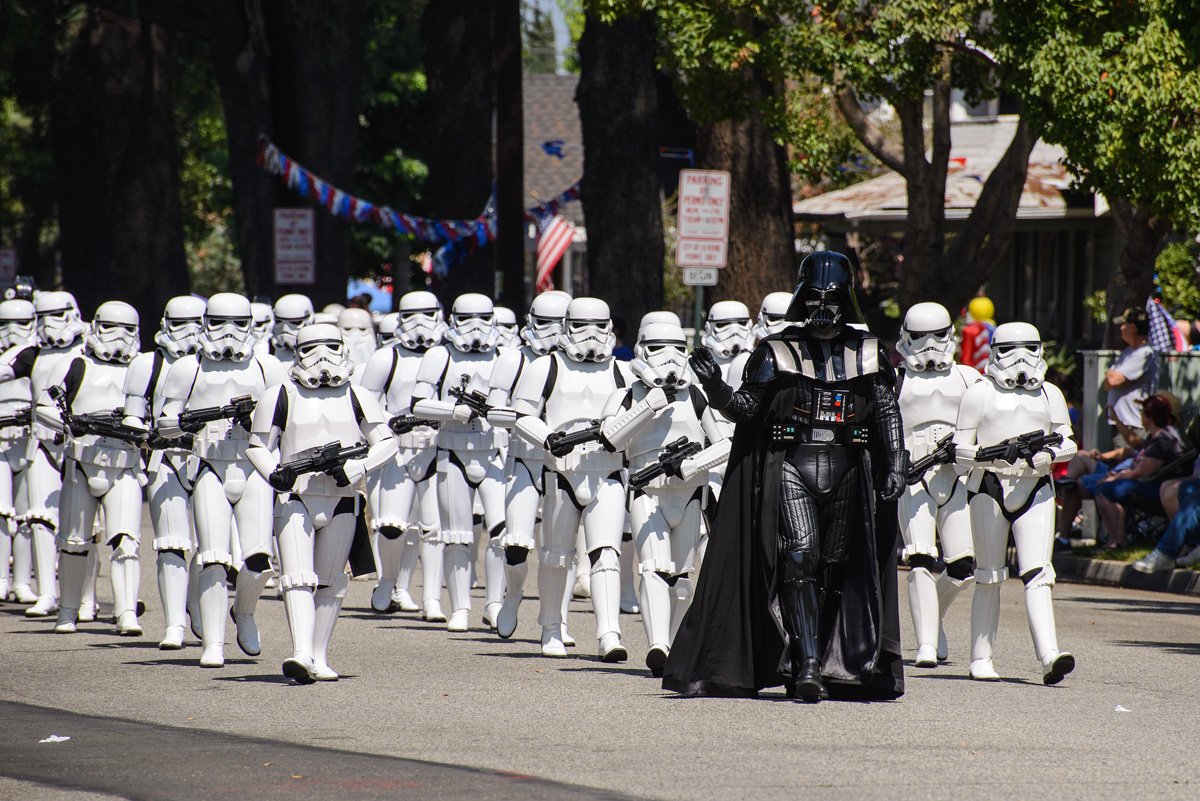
(1132, 378)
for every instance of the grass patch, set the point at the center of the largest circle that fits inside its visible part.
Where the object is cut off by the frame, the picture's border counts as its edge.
(1126, 553)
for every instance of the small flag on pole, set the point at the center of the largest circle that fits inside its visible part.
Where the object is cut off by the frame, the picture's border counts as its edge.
(553, 241)
(1162, 327)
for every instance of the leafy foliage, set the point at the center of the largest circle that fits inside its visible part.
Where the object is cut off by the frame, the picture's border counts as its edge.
(1178, 272)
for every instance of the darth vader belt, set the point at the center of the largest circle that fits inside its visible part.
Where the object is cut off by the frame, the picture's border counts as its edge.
(822, 435)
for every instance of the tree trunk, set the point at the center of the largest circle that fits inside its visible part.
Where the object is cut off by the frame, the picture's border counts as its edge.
(510, 155)
(122, 224)
(761, 256)
(1133, 280)
(316, 51)
(456, 49)
(621, 199)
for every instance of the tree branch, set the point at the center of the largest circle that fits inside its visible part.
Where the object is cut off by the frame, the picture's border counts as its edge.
(974, 52)
(868, 132)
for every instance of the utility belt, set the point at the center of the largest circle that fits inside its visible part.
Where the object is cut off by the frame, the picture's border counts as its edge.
(803, 432)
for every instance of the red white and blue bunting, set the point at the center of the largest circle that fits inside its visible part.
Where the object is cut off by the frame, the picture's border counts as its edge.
(453, 239)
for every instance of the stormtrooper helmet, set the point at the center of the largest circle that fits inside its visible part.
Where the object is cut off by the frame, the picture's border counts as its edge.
(113, 335)
(228, 331)
(264, 320)
(772, 315)
(587, 334)
(16, 323)
(358, 333)
(387, 326)
(661, 356)
(506, 324)
(927, 338)
(649, 318)
(292, 312)
(473, 324)
(1015, 360)
(179, 332)
(59, 323)
(727, 329)
(545, 321)
(322, 358)
(421, 325)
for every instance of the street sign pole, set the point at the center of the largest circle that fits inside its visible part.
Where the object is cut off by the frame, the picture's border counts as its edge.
(697, 312)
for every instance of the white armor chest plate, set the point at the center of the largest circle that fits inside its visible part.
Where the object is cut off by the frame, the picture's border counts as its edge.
(220, 381)
(929, 404)
(398, 399)
(581, 389)
(317, 417)
(505, 376)
(735, 369)
(103, 387)
(677, 420)
(50, 368)
(476, 368)
(14, 395)
(1010, 413)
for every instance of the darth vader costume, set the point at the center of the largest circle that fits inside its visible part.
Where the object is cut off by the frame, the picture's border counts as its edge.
(798, 587)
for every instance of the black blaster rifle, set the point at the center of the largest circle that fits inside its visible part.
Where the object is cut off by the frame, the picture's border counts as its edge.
(943, 453)
(471, 398)
(669, 462)
(560, 443)
(321, 459)
(1015, 449)
(22, 417)
(240, 408)
(101, 424)
(403, 423)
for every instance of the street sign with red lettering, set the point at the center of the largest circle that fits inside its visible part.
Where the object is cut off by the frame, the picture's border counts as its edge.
(295, 247)
(703, 221)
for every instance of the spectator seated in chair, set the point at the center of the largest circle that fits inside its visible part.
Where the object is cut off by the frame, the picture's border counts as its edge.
(1181, 500)
(1137, 486)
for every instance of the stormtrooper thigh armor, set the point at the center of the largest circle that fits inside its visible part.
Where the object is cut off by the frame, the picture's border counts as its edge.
(522, 497)
(462, 475)
(404, 504)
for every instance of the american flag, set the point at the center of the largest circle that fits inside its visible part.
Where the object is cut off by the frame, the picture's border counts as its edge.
(553, 241)
(1162, 327)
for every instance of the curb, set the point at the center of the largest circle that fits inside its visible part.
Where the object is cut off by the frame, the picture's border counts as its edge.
(1082, 570)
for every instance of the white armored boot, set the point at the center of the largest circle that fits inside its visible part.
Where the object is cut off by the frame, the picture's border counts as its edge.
(301, 616)
(458, 584)
(629, 595)
(126, 578)
(87, 602)
(923, 601)
(948, 588)
(564, 632)
(250, 585)
(514, 593)
(22, 566)
(5, 556)
(493, 567)
(682, 602)
(44, 554)
(173, 590)
(328, 602)
(606, 602)
(656, 615)
(71, 569)
(985, 619)
(401, 598)
(391, 551)
(214, 598)
(432, 565)
(193, 595)
(1055, 664)
(552, 589)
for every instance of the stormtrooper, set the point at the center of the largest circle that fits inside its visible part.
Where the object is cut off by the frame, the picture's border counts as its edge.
(101, 467)
(525, 461)
(388, 324)
(169, 491)
(264, 321)
(934, 506)
(59, 341)
(727, 334)
(560, 398)
(358, 332)
(772, 319)
(402, 495)
(210, 395)
(647, 421)
(16, 332)
(507, 325)
(1013, 492)
(469, 464)
(291, 312)
(318, 503)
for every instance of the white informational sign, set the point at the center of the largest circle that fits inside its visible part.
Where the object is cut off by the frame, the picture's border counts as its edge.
(8, 266)
(699, 276)
(295, 247)
(703, 221)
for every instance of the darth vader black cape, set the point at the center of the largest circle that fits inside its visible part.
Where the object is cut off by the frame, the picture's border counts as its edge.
(732, 641)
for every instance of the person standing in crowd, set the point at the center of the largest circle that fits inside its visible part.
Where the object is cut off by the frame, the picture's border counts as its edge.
(1132, 378)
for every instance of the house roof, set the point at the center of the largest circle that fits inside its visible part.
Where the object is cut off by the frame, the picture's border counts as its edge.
(551, 114)
(975, 150)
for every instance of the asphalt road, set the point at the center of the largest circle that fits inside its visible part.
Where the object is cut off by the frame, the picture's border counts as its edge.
(421, 713)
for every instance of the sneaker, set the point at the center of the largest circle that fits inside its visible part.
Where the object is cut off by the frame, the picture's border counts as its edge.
(1154, 562)
(1190, 559)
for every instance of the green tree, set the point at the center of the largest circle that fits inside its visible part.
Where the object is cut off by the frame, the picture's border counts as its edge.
(1178, 273)
(538, 53)
(1118, 86)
